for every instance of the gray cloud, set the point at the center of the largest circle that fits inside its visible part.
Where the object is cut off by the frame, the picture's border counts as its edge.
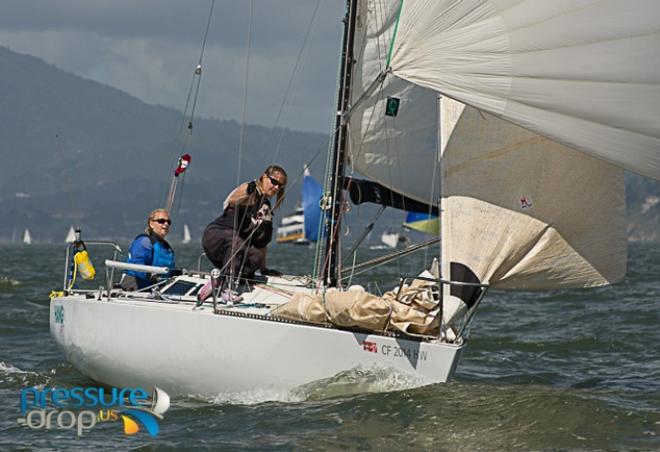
(149, 48)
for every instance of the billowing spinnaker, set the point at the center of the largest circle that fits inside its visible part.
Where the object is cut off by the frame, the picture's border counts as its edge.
(398, 149)
(522, 212)
(584, 73)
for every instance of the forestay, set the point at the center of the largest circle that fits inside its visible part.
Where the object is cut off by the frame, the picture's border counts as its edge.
(584, 73)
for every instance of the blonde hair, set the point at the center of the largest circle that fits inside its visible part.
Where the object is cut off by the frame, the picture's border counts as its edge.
(151, 216)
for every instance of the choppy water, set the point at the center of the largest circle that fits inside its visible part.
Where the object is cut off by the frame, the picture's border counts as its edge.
(575, 370)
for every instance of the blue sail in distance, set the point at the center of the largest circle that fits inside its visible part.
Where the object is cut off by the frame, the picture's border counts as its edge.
(311, 195)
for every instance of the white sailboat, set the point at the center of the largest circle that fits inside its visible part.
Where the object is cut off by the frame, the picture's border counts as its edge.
(542, 105)
(27, 238)
(186, 234)
(70, 236)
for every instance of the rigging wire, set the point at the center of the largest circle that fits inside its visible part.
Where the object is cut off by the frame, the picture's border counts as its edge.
(333, 248)
(186, 128)
(371, 118)
(380, 260)
(69, 179)
(436, 172)
(294, 72)
(391, 145)
(241, 138)
(321, 259)
(319, 269)
(248, 46)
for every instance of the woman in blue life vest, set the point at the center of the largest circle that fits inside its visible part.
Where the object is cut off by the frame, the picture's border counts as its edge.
(236, 242)
(150, 248)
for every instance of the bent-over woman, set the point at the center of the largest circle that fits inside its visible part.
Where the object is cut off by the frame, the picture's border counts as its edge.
(236, 242)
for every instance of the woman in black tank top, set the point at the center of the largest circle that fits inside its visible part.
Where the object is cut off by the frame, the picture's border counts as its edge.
(236, 242)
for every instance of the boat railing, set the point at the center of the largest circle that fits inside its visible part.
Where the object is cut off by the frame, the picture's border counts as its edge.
(440, 284)
(199, 262)
(116, 252)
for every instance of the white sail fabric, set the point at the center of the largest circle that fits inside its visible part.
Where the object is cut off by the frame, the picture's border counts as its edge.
(523, 212)
(395, 151)
(584, 73)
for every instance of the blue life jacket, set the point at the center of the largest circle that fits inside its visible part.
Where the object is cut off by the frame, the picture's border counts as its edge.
(163, 255)
(154, 251)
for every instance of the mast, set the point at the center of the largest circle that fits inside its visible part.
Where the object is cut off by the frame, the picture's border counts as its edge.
(330, 276)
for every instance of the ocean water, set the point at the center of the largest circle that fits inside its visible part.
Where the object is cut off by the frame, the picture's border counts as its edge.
(562, 370)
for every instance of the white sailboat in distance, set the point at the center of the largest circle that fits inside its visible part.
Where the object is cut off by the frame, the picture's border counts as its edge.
(186, 234)
(392, 239)
(27, 238)
(70, 236)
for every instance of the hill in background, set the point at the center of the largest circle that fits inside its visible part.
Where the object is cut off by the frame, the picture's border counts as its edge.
(75, 151)
(79, 152)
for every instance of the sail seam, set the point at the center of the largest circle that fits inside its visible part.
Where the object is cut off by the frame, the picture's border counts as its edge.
(396, 29)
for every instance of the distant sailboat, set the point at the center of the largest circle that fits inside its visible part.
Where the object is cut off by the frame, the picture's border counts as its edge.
(27, 238)
(302, 226)
(70, 236)
(422, 222)
(186, 234)
(393, 239)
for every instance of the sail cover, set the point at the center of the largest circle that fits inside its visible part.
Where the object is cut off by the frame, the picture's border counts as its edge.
(395, 147)
(584, 73)
(523, 212)
(361, 191)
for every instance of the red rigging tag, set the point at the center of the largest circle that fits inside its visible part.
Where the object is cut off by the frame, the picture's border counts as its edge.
(184, 161)
(370, 346)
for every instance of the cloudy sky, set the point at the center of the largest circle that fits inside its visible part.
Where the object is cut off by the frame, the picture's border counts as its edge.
(149, 48)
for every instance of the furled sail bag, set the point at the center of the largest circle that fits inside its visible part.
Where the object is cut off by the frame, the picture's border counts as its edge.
(416, 312)
(357, 308)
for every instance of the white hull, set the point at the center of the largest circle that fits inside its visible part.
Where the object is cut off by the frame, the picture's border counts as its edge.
(184, 351)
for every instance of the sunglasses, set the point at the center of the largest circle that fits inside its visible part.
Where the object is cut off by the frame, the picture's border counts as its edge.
(275, 182)
(162, 220)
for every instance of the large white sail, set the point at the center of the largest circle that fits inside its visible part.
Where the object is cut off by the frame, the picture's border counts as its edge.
(584, 73)
(523, 212)
(27, 238)
(395, 150)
